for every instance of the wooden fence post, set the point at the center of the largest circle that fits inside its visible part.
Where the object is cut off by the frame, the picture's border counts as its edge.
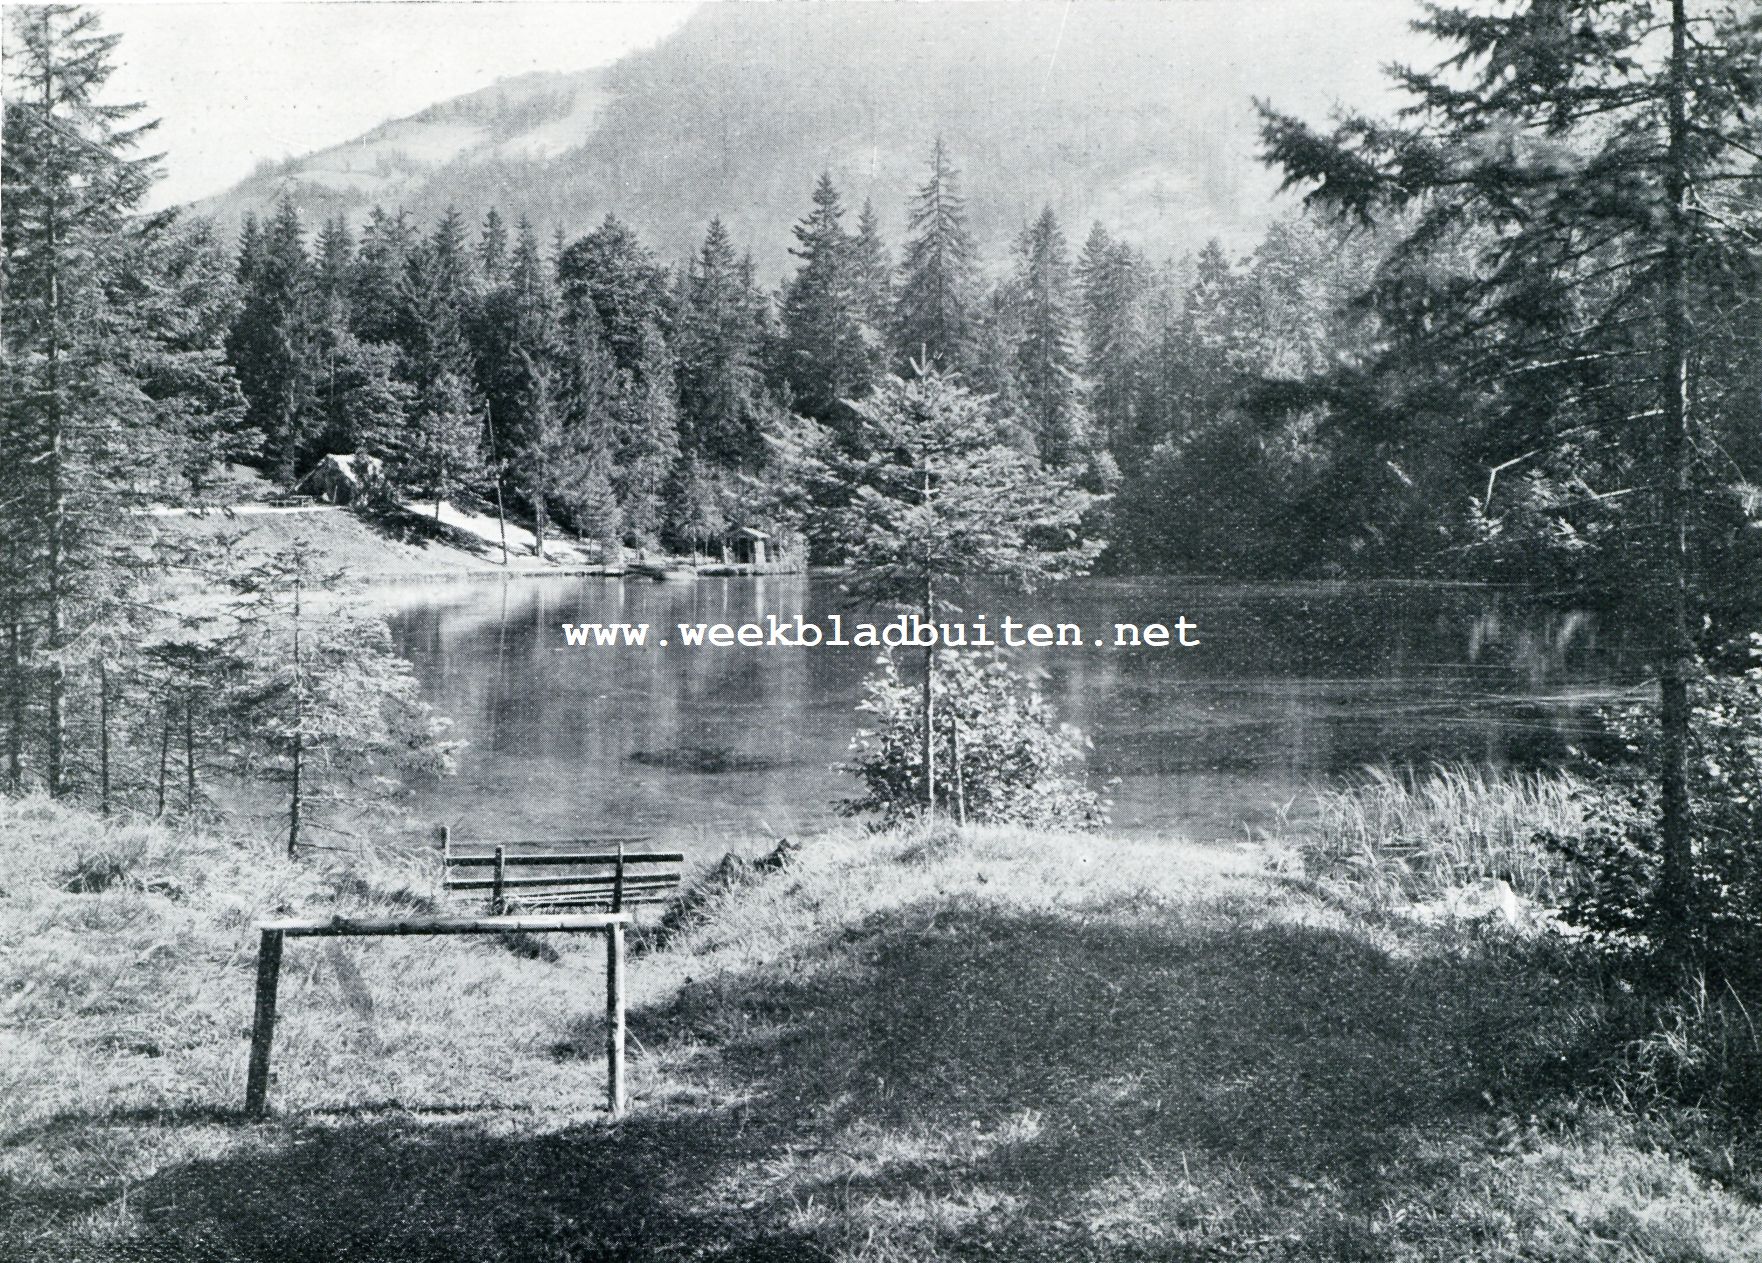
(615, 1020)
(495, 898)
(263, 1025)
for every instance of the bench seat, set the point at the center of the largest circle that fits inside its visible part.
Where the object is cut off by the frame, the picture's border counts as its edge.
(577, 875)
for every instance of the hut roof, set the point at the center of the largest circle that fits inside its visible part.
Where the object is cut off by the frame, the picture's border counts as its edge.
(747, 532)
(358, 468)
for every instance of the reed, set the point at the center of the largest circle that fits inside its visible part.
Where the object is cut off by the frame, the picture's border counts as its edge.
(1414, 833)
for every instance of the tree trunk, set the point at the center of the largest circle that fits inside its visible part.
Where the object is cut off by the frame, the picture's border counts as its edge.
(960, 783)
(103, 738)
(295, 787)
(56, 561)
(164, 758)
(16, 708)
(929, 713)
(538, 524)
(189, 756)
(1676, 663)
(489, 421)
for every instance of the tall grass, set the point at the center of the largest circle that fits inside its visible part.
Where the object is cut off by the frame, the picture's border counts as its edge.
(950, 1045)
(1415, 834)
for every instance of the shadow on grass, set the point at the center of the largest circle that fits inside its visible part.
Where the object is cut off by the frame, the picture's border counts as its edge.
(962, 1055)
(416, 529)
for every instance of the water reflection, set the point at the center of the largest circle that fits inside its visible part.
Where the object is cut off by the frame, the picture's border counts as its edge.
(1290, 685)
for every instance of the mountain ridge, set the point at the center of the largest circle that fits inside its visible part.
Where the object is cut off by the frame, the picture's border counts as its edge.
(1137, 115)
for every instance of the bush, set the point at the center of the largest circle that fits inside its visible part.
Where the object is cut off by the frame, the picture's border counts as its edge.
(1017, 763)
(1618, 856)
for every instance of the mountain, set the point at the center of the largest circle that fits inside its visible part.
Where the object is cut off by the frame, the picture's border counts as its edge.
(1138, 114)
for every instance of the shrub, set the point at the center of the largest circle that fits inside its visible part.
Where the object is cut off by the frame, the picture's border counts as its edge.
(1014, 762)
(1618, 855)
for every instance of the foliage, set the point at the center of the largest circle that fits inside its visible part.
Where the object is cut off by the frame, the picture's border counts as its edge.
(1006, 757)
(113, 393)
(932, 320)
(1618, 854)
(940, 499)
(1413, 835)
(823, 358)
(321, 704)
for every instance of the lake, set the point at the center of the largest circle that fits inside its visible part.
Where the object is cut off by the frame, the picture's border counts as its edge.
(1291, 686)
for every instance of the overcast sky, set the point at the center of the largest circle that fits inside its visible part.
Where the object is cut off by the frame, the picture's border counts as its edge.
(234, 83)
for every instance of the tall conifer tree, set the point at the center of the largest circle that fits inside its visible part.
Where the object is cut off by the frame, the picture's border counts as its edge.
(934, 311)
(825, 360)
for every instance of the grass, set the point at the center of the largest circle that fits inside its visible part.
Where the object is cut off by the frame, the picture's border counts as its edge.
(908, 1047)
(1413, 834)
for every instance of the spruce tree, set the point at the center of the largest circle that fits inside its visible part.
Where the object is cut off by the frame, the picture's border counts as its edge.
(648, 446)
(274, 343)
(941, 502)
(825, 360)
(612, 274)
(492, 249)
(379, 308)
(718, 356)
(79, 432)
(1054, 394)
(1596, 161)
(320, 704)
(933, 313)
(1112, 279)
(872, 276)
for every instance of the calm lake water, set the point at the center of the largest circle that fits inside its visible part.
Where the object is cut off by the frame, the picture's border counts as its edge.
(1292, 686)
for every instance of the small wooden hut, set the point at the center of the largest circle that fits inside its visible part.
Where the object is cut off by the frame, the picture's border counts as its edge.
(746, 546)
(344, 479)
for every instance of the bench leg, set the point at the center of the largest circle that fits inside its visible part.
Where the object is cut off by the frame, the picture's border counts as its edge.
(615, 1020)
(263, 1026)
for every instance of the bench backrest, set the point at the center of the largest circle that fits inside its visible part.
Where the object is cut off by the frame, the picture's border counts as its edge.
(562, 872)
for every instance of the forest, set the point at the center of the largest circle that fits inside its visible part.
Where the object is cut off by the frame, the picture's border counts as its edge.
(621, 398)
(1332, 404)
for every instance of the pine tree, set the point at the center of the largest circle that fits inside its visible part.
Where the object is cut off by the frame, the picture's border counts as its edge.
(694, 513)
(933, 315)
(824, 359)
(335, 264)
(177, 282)
(379, 308)
(1596, 160)
(872, 277)
(445, 450)
(1054, 405)
(648, 445)
(321, 706)
(611, 273)
(1112, 278)
(78, 430)
(941, 502)
(492, 249)
(273, 346)
(718, 356)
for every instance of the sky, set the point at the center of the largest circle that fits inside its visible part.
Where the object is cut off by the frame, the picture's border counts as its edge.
(238, 82)
(234, 83)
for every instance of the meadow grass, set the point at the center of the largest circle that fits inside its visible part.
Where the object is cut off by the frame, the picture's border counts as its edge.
(914, 1046)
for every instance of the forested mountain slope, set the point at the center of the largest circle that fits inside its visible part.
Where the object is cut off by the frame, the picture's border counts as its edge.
(1138, 115)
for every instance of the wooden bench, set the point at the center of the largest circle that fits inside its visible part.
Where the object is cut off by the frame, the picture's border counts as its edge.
(576, 876)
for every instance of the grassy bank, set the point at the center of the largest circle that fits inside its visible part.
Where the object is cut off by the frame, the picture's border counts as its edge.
(382, 547)
(992, 1046)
